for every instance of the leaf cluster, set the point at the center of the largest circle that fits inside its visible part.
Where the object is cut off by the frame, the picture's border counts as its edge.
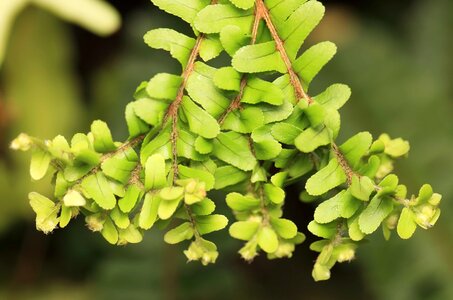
(249, 128)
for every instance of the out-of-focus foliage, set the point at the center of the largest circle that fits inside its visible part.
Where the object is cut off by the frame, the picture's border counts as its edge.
(95, 15)
(419, 76)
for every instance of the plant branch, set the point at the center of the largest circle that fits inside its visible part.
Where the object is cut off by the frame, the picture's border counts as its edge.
(262, 10)
(236, 103)
(343, 163)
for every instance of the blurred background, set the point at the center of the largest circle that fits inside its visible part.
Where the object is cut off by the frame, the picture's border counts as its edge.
(57, 77)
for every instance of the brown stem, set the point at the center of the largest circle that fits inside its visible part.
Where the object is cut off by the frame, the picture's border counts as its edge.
(129, 144)
(343, 163)
(174, 106)
(262, 10)
(236, 103)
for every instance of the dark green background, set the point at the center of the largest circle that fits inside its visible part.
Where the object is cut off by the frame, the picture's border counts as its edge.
(395, 55)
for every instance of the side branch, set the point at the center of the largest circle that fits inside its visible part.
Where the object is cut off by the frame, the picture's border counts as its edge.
(174, 106)
(262, 10)
(236, 103)
(343, 163)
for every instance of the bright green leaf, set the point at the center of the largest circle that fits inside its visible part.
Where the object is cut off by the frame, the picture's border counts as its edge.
(207, 224)
(373, 215)
(179, 233)
(362, 187)
(39, 165)
(164, 86)
(155, 174)
(103, 141)
(268, 240)
(200, 122)
(326, 179)
(98, 188)
(148, 213)
(406, 224)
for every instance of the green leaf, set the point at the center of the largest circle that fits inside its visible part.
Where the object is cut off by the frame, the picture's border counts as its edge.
(179, 45)
(284, 228)
(275, 194)
(362, 187)
(179, 234)
(274, 113)
(349, 205)
(232, 148)
(39, 165)
(245, 120)
(285, 133)
(406, 224)
(354, 229)
(268, 240)
(46, 212)
(227, 78)
(184, 9)
(164, 86)
(334, 97)
(244, 230)
(155, 174)
(356, 147)
(203, 208)
(120, 166)
(150, 110)
(171, 193)
(133, 193)
(279, 178)
(201, 175)
(109, 231)
(61, 185)
(298, 26)
(258, 58)
(186, 146)
(264, 144)
(244, 4)
(326, 179)
(315, 114)
(148, 213)
(326, 231)
(233, 38)
(388, 185)
(129, 235)
(74, 198)
(203, 146)
(258, 90)
(65, 216)
(167, 208)
(313, 60)
(214, 17)
(135, 125)
(201, 89)
(200, 122)
(240, 202)
(210, 47)
(228, 175)
(425, 193)
(320, 272)
(329, 210)
(394, 147)
(373, 215)
(98, 188)
(311, 138)
(103, 141)
(211, 223)
(120, 219)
